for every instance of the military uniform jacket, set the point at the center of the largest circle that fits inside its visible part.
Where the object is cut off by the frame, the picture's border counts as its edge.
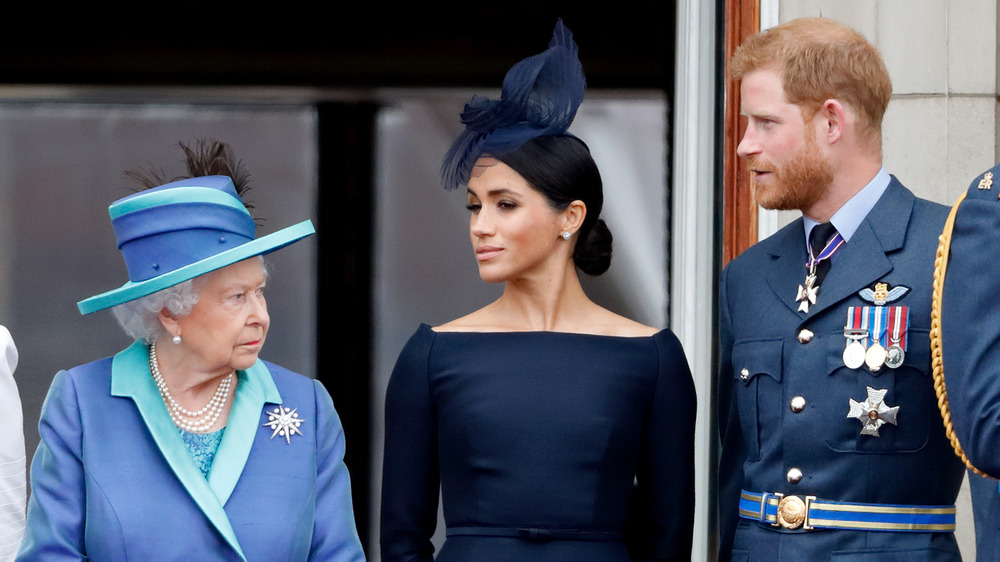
(969, 352)
(770, 353)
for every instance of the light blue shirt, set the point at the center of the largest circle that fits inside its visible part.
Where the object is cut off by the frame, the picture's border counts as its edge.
(848, 218)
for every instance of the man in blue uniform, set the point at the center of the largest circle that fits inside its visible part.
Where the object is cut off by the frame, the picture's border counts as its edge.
(968, 309)
(831, 444)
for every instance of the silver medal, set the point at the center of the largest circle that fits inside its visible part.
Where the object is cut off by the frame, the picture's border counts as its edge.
(854, 352)
(894, 355)
(854, 355)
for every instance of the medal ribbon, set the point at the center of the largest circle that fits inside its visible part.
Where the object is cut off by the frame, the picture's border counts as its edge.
(832, 246)
(853, 318)
(856, 333)
(900, 321)
(878, 324)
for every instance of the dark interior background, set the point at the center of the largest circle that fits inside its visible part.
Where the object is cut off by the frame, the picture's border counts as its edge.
(344, 45)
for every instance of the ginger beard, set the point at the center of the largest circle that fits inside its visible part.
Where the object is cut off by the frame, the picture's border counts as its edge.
(796, 185)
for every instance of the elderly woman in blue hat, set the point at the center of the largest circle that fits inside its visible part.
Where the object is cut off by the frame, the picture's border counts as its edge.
(556, 429)
(187, 446)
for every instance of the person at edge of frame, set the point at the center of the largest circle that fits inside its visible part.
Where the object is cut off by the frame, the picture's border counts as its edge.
(187, 445)
(967, 306)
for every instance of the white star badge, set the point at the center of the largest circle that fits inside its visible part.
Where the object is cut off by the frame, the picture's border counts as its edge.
(285, 422)
(873, 412)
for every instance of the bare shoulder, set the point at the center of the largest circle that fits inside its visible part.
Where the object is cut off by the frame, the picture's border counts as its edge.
(482, 320)
(612, 324)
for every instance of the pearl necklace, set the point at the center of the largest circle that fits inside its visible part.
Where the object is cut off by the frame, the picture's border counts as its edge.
(208, 415)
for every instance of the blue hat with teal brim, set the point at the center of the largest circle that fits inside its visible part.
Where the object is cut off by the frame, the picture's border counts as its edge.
(180, 230)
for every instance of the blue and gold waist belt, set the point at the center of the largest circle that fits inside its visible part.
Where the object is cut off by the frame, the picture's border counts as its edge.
(536, 534)
(807, 513)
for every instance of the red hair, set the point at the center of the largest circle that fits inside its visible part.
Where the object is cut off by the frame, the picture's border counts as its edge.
(819, 59)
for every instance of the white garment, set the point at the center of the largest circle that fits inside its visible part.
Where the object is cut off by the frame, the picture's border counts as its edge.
(13, 489)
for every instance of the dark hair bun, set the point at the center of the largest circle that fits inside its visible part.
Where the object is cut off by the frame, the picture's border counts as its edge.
(593, 250)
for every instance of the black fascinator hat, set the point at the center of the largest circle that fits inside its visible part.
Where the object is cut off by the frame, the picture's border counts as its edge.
(540, 96)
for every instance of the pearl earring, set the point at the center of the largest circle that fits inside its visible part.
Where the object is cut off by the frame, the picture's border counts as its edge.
(177, 340)
(566, 234)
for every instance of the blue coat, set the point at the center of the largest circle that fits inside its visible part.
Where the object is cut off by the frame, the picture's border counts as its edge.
(970, 326)
(766, 360)
(112, 479)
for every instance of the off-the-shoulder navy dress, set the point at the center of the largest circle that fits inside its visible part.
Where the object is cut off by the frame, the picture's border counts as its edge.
(547, 446)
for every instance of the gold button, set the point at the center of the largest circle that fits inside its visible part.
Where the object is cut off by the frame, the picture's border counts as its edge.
(794, 475)
(805, 336)
(791, 512)
(797, 404)
(745, 373)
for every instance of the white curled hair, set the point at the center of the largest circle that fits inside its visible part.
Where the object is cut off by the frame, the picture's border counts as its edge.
(139, 318)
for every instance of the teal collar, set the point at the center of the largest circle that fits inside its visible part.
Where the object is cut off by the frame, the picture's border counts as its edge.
(130, 377)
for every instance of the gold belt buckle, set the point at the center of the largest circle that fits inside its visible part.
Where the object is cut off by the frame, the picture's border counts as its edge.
(793, 512)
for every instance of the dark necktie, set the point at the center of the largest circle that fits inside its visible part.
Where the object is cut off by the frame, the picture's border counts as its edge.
(819, 237)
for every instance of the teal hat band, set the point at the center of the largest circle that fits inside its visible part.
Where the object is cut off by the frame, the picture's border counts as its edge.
(156, 197)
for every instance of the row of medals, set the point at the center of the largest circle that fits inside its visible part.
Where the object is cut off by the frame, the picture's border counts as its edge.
(858, 352)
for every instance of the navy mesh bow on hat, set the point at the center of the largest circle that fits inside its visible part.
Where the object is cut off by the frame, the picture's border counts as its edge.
(540, 96)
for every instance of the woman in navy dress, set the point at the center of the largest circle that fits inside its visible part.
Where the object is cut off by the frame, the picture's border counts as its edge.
(553, 428)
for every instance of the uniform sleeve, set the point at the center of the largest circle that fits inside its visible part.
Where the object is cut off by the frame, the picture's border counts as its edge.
(970, 333)
(732, 452)
(410, 476)
(662, 515)
(56, 510)
(12, 473)
(335, 534)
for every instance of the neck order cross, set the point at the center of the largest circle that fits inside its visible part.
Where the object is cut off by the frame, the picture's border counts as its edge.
(824, 241)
